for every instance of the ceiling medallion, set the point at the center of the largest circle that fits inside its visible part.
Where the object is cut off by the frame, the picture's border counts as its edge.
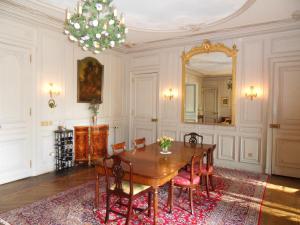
(95, 24)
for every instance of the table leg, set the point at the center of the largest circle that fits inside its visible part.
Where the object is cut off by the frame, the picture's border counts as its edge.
(97, 191)
(171, 190)
(155, 203)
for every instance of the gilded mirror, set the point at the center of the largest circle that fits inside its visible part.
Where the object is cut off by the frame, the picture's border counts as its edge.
(208, 84)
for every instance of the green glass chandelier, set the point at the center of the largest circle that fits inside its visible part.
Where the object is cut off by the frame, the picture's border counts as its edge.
(95, 25)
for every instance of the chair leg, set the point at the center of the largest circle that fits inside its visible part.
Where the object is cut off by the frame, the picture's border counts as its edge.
(211, 182)
(191, 200)
(149, 203)
(129, 213)
(198, 190)
(180, 192)
(107, 207)
(207, 185)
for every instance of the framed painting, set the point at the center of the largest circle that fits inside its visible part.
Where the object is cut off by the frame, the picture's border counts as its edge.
(225, 101)
(89, 80)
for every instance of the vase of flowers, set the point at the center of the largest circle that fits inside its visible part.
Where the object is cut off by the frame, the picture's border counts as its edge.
(165, 142)
(94, 108)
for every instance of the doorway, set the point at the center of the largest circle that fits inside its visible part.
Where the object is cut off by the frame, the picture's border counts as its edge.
(144, 106)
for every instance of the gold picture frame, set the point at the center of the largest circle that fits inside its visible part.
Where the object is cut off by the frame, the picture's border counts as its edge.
(207, 47)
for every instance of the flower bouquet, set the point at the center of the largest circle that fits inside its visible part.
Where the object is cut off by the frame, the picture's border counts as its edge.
(165, 142)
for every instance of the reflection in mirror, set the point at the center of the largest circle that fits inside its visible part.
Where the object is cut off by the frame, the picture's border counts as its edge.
(208, 85)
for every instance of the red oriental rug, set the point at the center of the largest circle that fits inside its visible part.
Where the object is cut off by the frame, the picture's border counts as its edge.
(236, 201)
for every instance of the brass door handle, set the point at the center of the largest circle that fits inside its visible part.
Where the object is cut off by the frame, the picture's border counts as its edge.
(154, 120)
(275, 125)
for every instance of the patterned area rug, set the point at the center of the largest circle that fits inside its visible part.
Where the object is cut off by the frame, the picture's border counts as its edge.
(236, 200)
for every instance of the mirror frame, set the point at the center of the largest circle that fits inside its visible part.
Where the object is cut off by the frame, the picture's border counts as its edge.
(207, 47)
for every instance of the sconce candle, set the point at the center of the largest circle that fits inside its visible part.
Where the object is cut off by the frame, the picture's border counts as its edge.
(53, 90)
(169, 94)
(251, 93)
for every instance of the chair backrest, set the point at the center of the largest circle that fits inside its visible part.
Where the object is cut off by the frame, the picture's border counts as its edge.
(196, 159)
(139, 143)
(193, 138)
(119, 147)
(118, 169)
(210, 157)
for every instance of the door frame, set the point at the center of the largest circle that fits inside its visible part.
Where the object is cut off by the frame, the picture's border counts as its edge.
(30, 107)
(132, 75)
(270, 109)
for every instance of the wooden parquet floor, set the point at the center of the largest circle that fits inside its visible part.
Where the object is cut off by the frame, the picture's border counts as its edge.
(281, 204)
(29, 190)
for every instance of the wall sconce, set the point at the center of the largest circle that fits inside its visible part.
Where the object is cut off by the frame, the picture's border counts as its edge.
(251, 93)
(169, 94)
(53, 91)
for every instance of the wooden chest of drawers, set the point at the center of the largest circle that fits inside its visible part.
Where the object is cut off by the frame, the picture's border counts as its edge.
(90, 142)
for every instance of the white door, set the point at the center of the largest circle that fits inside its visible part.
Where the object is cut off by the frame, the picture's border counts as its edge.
(286, 119)
(210, 105)
(15, 110)
(191, 103)
(144, 89)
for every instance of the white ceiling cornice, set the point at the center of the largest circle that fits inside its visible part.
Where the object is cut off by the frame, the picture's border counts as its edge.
(236, 32)
(33, 11)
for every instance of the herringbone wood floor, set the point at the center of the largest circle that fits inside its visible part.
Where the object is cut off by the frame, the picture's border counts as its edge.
(281, 203)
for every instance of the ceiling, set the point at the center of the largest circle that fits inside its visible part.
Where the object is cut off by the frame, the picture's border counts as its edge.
(156, 20)
(214, 64)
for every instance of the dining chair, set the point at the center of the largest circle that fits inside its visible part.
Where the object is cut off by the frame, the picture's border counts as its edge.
(139, 143)
(119, 147)
(187, 180)
(116, 186)
(193, 138)
(207, 170)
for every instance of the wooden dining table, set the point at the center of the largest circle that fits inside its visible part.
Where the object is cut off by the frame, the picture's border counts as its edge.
(152, 168)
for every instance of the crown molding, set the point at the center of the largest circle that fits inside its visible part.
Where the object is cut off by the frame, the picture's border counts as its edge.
(32, 11)
(230, 33)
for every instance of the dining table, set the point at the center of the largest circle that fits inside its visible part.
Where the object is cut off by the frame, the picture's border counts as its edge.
(153, 168)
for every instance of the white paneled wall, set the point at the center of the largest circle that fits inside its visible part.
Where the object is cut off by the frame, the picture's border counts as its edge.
(244, 145)
(53, 59)
(36, 42)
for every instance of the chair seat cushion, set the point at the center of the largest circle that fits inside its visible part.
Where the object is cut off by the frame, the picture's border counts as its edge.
(184, 178)
(137, 188)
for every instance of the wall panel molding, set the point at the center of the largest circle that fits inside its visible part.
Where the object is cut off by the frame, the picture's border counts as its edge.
(226, 147)
(250, 151)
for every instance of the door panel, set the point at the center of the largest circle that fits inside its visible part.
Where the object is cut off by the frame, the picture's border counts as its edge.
(191, 103)
(15, 121)
(210, 105)
(144, 106)
(286, 113)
